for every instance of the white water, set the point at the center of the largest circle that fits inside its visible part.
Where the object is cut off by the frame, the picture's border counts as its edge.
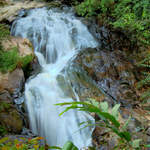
(57, 37)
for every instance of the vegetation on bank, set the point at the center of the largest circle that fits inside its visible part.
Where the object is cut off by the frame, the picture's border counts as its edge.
(109, 120)
(131, 18)
(10, 59)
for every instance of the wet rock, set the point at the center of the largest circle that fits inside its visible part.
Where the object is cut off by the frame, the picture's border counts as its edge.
(111, 71)
(11, 120)
(5, 97)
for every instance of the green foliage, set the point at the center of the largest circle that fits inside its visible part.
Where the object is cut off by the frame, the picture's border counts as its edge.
(21, 144)
(130, 16)
(134, 17)
(69, 146)
(91, 7)
(3, 131)
(31, 144)
(109, 119)
(4, 106)
(9, 60)
(4, 31)
(88, 7)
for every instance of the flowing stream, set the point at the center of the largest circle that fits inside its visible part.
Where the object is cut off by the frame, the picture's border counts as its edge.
(57, 37)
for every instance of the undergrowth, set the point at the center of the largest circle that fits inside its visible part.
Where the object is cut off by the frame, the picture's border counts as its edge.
(128, 15)
(109, 119)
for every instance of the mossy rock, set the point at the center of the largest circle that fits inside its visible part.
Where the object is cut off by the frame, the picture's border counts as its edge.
(11, 120)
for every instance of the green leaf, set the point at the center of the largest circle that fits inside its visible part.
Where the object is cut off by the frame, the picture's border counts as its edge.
(90, 108)
(126, 124)
(147, 145)
(69, 146)
(126, 135)
(104, 106)
(114, 110)
(136, 143)
(54, 147)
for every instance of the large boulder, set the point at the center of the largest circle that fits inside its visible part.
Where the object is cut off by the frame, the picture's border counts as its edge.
(12, 81)
(11, 120)
(9, 11)
(24, 45)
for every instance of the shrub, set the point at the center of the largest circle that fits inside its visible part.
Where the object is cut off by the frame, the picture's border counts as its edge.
(108, 119)
(131, 16)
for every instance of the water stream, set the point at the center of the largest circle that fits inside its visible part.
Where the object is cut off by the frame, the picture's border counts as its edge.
(57, 37)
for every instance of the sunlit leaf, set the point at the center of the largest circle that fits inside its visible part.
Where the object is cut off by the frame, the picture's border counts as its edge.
(104, 106)
(136, 143)
(114, 110)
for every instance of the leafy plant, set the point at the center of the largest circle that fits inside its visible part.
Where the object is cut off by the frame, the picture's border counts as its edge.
(109, 120)
(3, 131)
(130, 16)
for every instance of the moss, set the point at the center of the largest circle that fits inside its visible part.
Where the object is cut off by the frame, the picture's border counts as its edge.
(4, 106)
(4, 31)
(9, 60)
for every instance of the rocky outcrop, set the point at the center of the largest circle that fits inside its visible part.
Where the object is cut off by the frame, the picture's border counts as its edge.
(11, 86)
(9, 11)
(111, 71)
(24, 46)
(12, 81)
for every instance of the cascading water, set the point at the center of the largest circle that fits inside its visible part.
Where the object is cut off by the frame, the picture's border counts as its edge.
(57, 37)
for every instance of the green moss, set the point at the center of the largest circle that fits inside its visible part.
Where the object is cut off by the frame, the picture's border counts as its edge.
(26, 60)
(4, 106)
(9, 60)
(4, 31)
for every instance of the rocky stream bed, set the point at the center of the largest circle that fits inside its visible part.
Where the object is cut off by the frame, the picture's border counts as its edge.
(106, 73)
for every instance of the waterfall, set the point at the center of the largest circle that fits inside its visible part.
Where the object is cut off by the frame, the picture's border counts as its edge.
(57, 36)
